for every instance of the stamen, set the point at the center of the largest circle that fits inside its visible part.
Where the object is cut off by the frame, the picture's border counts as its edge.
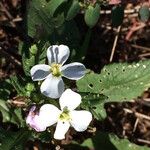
(55, 69)
(64, 116)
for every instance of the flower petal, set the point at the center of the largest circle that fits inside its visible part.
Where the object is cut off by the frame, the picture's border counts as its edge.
(40, 72)
(61, 129)
(80, 119)
(58, 54)
(37, 124)
(35, 121)
(30, 115)
(49, 114)
(69, 99)
(52, 86)
(73, 71)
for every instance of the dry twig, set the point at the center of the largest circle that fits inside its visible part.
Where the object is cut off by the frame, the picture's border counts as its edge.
(115, 43)
(141, 47)
(10, 17)
(144, 141)
(138, 115)
(11, 58)
(135, 125)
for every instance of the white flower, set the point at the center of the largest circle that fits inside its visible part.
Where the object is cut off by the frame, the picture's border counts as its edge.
(53, 86)
(49, 115)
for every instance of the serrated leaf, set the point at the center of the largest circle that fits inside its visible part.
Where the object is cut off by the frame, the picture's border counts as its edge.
(18, 85)
(28, 63)
(144, 13)
(110, 142)
(33, 49)
(29, 58)
(117, 15)
(13, 140)
(92, 14)
(73, 10)
(118, 82)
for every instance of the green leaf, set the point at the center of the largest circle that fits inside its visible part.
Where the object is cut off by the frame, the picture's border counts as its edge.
(5, 111)
(95, 104)
(117, 15)
(144, 13)
(124, 144)
(17, 83)
(73, 10)
(13, 140)
(110, 142)
(39, 21)
(118, 82)
(53, 5)
(100, 140)
(5, 89)
(32, 55)
(42, 50)
(68, 34)
(44, 136)
(29, 54)
(10, 114)
(92, 15)
(28, 63)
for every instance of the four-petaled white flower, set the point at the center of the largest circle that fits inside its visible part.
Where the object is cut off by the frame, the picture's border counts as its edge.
(53, 85)
(49, 115)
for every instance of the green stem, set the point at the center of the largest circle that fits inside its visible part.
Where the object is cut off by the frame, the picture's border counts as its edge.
(85, 44)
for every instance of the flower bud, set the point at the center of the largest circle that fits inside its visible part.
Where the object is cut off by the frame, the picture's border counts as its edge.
(33, 49)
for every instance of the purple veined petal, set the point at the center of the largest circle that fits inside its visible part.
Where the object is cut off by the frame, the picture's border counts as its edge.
(69, 99)
(73, 71)
(52, 86)
(58, 54)
(80, 120)
(61, 129)
(40, 72)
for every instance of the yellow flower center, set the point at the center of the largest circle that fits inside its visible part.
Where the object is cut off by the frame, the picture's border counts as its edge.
(55, 69)
(64, 116)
